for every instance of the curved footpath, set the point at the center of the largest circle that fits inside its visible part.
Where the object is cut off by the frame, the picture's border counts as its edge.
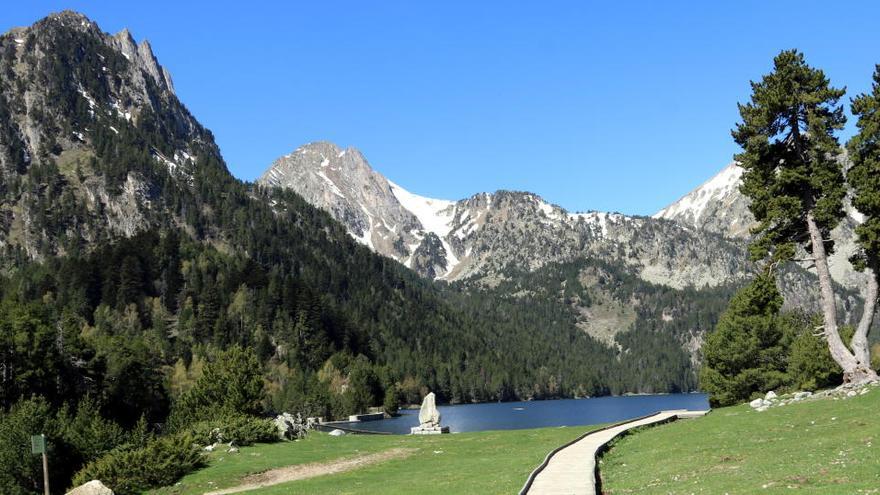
(571, 469)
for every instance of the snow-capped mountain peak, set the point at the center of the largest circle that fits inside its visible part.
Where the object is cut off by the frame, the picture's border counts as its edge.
(488, 233)
(377, 213)
(694, 205)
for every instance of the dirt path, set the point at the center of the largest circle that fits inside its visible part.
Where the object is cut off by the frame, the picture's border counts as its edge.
(305, 471)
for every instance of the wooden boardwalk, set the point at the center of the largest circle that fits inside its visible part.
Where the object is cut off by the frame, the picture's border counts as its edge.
(571, 469)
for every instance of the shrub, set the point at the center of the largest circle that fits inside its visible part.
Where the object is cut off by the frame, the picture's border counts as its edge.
(231, 384)
(21, 472)
(88, 434)
(240, 429)
(875, 357)
(810, 364)
(161, 462)
(391, 403)
(746, 354)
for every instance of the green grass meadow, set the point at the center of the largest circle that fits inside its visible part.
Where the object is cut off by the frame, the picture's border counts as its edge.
(818, 447)
(472, 463)
(822, 446)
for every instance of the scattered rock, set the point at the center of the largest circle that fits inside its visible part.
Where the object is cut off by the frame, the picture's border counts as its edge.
(336, 433)
(292, 427)
(94, 487)
(864, 391)
(210, 448)
(851, 393)
(761, 409)
(756, 403)
(770, 395)
(802, 395)
(232, 450)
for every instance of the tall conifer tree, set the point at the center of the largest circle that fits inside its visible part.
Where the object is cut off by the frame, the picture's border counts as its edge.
(795, 180)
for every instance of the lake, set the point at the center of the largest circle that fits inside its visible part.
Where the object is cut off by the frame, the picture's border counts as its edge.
(538, 414)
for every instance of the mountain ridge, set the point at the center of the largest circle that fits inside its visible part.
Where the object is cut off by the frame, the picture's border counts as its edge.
(382, 218)
(499, 239)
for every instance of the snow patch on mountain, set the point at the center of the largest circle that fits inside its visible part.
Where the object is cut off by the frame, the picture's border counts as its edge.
(435, 215)
(694, 204)
(333, 187)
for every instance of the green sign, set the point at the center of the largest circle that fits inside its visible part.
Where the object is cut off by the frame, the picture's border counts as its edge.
(38, 444)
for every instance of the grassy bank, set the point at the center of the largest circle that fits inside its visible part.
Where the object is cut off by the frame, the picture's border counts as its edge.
(820, 447)
(480, 462)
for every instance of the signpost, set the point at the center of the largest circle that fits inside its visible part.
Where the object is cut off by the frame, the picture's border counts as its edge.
(38, 446)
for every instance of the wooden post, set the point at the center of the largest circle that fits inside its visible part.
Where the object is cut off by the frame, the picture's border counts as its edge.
(45, 473)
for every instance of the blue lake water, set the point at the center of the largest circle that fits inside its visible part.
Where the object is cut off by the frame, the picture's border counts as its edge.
(538, 414)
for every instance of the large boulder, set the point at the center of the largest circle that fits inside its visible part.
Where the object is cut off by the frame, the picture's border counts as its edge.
(94, 487)
(291, 427)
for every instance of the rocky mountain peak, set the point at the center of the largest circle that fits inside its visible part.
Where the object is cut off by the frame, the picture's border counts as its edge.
(142, 56)
(488, 233)
(715, 205)
(95, 113)
(71, 19)
(718, 206)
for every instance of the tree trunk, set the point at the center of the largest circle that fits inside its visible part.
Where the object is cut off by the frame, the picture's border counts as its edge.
(860, 338)
(853, 372)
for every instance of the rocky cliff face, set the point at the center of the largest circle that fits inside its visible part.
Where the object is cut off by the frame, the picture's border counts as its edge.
(78, 108)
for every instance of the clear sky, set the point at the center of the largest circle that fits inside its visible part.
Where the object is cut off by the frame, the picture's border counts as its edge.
(618, 106)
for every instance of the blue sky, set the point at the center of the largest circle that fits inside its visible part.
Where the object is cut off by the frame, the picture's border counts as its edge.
(619, 106)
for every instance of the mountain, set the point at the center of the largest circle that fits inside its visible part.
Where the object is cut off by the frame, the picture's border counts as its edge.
(719, 207)
(480, 236)
(517, 245)
(698, 241)
(73, 101)
(715, 206)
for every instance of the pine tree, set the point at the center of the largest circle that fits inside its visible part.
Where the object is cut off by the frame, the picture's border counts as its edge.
(745, 354)
(864, 179)
(794, 179)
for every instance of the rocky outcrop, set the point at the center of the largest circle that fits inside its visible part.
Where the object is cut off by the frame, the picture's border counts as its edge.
(291, 427)
(94, 487)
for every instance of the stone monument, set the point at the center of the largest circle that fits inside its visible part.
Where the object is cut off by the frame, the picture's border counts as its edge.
(429, 418)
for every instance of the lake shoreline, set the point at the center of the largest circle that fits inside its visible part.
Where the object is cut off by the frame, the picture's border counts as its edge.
(514, 415)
